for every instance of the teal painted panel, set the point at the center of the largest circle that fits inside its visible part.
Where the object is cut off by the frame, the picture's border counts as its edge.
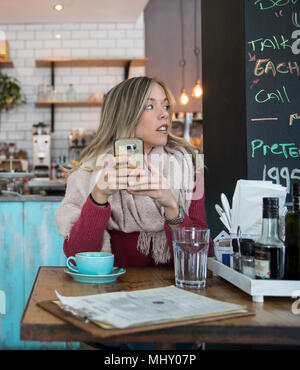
(43, 244)
(43, 247)
(28, 239)
(11, 273)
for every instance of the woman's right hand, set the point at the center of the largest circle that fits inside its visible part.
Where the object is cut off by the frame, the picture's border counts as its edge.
(113, 177)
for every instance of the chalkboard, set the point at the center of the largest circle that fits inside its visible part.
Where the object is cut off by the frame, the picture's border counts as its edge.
(272, 54)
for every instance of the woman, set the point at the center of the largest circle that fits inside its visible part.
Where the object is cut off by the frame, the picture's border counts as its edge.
(131, 212)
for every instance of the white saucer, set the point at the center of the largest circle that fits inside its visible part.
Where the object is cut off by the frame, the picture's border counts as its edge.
(98, 279)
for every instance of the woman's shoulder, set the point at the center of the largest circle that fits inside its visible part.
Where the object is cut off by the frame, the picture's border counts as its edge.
(83, 172)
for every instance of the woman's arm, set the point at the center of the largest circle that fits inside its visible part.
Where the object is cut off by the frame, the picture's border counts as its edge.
(81, 222)
(87, 233)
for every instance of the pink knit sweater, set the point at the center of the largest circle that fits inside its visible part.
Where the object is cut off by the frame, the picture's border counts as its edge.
(87, 234)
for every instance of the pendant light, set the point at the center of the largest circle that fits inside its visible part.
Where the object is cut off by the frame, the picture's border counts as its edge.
(197, 89)
(184, 99)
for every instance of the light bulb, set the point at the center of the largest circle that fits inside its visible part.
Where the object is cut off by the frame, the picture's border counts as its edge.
(58, 7)
(184, 99)
(197, 90)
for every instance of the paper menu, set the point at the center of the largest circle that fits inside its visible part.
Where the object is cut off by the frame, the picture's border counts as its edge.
(142, 307)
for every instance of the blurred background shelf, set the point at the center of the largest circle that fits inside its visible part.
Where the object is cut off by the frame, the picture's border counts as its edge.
(5, 63)
(82, 103)
(93, 62)
(52, 63)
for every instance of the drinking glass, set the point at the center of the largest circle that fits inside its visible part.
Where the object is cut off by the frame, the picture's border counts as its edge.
(190, 246)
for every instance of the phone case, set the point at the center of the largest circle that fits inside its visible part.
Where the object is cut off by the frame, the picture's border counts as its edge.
(134, 148)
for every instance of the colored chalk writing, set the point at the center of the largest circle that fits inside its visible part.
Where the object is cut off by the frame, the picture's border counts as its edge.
(270, 4)
(295, 21)
(294, 117)
(272, 49)
(286, 150)
(279, 95)
(274, 42)
(265, 66)
(281, 174)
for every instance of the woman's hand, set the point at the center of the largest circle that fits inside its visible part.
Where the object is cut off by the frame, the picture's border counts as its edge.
(117, 176)
(156, 187)
(114, 176)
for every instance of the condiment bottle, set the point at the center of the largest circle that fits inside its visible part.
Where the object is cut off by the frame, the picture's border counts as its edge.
(247, 259)
(292, 237)
(236, 257)
(269, 249)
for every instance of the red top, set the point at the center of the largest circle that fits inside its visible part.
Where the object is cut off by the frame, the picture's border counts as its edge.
(87, 234)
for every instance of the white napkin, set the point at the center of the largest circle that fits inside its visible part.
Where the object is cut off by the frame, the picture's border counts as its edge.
(247, 205)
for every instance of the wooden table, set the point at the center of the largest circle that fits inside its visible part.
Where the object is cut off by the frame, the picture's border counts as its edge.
(274, 323)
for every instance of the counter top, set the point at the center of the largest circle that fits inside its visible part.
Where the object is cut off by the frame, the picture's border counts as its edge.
(30, 198)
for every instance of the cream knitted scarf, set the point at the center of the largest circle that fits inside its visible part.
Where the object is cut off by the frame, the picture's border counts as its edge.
(134, 213)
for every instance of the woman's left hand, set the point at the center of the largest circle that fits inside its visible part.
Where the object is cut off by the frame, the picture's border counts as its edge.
(156, 187)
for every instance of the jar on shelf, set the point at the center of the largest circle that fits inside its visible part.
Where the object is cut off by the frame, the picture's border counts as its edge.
(53, 95)
(71, 93)
(41, 92)
(48, 92)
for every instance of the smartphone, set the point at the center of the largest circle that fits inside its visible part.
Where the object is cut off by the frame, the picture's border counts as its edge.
(133, 148)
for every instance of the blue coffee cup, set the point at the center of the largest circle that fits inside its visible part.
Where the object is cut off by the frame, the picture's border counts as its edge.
(92, 263)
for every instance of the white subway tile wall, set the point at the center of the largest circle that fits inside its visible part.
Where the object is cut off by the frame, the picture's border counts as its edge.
(28, 42)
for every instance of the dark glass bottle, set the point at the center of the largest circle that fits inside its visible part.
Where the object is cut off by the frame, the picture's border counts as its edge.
(269, 249)
(292, 237)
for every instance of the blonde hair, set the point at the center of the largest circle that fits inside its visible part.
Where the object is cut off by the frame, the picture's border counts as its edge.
(121, 111)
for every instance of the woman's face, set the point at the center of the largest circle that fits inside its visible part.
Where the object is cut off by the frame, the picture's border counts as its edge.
(153, 126)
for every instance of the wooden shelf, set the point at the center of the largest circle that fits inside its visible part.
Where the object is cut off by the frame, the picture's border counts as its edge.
(94, 62)
(52, 63)
(81, 103)
(6, 63)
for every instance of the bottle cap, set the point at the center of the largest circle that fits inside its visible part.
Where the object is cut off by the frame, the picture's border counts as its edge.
(296, 189)
(271, 202)
(245, 242)
(270, 207)
(247, 247)
(234, 244)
